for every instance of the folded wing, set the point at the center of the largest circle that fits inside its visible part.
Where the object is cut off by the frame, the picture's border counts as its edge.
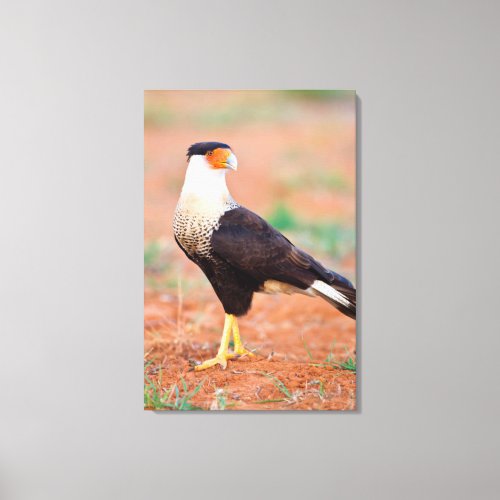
(249, 243)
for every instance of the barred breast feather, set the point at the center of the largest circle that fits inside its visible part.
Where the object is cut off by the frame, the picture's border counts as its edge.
(193, 226)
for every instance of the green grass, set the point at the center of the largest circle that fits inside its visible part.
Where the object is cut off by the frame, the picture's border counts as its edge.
(220, 402)
(348, 363)
(220, 397)
(331, 238)
(278, 384)
(321, 388)
(173, 398)
(306, 347)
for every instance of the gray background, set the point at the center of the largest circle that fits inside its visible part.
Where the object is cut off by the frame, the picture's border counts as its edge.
(73, 75)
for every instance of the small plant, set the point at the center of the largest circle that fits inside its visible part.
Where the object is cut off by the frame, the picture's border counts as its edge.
(152, 398)
(348, 363)
(182, 402)
(306, 347)
(278, 384)
(290, 398)
(321, 388)
(173, 398)
(220, 400)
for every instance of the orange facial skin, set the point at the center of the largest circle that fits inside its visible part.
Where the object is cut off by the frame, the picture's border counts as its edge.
(218, 157)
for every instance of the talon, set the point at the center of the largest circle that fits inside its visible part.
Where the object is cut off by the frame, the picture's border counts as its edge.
(230, 327)
(218, 360)
(241, 352)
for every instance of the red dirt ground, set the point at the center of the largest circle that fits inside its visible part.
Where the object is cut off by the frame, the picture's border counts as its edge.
(182, 327)
(175, 335)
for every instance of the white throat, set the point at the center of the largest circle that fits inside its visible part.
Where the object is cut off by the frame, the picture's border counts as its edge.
(204, 188)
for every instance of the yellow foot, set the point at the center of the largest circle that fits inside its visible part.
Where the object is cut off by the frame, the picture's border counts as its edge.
(240, 351)
(220, 359)
(230, 327)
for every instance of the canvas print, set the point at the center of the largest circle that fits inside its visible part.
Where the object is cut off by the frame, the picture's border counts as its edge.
(249, 250)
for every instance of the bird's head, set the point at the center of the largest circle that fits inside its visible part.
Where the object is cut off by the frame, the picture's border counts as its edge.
(213, 155)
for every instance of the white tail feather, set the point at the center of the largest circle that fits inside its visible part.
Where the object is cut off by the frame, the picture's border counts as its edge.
(325, 289)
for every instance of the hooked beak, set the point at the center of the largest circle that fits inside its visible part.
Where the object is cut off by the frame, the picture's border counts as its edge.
(231, 162)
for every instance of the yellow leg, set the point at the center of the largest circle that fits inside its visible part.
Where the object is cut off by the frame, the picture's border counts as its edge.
(222, 354)
(239, 350)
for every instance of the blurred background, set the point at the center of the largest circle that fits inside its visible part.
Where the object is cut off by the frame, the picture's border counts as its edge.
(296, 168)
(296, 155)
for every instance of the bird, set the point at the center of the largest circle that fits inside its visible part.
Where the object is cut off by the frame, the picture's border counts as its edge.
(239, 252)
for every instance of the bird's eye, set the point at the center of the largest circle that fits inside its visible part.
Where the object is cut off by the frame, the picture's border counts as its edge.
(210, 153)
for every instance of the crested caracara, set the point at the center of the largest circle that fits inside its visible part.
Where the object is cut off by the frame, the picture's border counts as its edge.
(239, 252)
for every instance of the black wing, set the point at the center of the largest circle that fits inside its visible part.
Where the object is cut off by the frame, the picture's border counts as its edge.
(250, 244)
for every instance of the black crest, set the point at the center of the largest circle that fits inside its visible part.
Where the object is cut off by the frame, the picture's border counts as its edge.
(202, 148)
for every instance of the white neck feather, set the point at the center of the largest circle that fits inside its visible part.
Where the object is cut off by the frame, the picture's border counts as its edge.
(204, 187)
